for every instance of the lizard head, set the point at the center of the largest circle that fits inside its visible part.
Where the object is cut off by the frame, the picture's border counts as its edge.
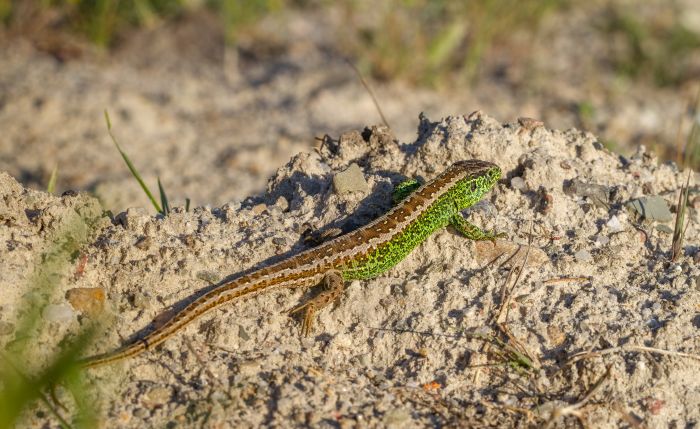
(474, 179)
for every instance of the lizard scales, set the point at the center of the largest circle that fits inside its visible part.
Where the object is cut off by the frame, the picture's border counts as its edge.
(362, 254)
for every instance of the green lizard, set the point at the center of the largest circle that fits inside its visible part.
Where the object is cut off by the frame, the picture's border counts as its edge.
(362, 254)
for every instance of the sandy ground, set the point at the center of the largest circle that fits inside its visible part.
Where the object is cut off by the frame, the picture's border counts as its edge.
(399, 350)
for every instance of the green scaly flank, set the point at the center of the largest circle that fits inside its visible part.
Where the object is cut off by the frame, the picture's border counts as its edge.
(443, 212)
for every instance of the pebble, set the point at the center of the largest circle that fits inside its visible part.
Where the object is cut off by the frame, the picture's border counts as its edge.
(583, 256)
(601, 240)
(282, 203)
(614, 224)
(664, 228)
(598, 194)
(250, 367)
(396, 418)
(141, 413)
(210, 277)
(230, 210)
(651, 208)
(259, 209)
(86, 300)
(143, 243)
(142, 301)
(518, 183)
(556, 335)
(350, 180)
(58, 313)
(243, 334)
(157, 396)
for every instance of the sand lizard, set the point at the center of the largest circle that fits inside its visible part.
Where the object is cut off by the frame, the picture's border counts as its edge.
(362, 254)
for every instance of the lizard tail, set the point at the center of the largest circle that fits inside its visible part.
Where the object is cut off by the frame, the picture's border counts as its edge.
(232, 291)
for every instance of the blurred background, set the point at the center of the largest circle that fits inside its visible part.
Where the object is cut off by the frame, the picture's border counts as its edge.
(212, 96)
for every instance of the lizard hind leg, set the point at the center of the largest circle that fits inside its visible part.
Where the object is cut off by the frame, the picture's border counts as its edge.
(333, 286)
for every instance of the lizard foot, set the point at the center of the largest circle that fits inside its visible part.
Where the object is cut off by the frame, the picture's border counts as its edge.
(333, 285)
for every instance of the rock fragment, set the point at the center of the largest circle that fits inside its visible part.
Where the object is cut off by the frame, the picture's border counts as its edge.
(651, 208)
(86, 300)
(350, 180)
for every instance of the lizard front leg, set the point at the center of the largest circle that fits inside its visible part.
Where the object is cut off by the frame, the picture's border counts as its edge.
(472, 231)
(333, 286)
(404, 189)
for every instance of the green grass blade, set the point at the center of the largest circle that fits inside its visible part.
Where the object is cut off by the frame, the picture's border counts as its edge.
(134, 173)
(51, 187)
(163, 199)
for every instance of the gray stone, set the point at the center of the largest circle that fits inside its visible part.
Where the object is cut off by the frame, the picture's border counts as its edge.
(652, 208)
(583, 256)
(598, 194)
(350, 180)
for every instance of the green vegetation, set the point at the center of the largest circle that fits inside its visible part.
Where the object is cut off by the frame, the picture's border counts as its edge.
(422, 41)
(427, 41)
(101, 21)
(21, 390)
(651, 47)
(51, 186)
(5, 9)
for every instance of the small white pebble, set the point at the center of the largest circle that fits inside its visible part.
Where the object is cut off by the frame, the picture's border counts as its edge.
(59, 313)
(614, 225)
(518, 183)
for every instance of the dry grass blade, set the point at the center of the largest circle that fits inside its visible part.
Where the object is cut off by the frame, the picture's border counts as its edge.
(506, 297)
(692, 145)
(370, 92)
(566, 280)
(679, 229)
(573, 409)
